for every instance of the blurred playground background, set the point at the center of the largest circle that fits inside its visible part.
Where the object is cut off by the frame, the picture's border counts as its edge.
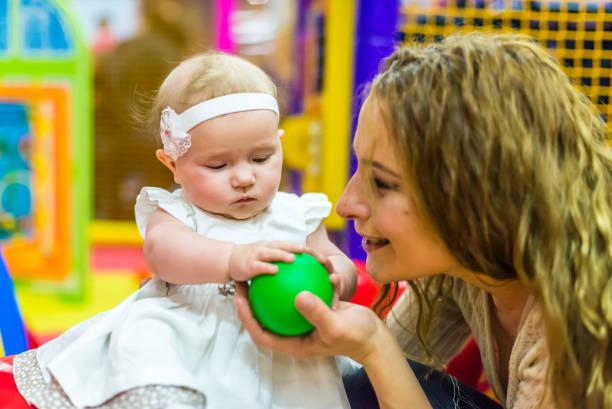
(72, 159)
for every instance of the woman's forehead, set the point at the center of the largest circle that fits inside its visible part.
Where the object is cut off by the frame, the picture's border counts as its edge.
(372, 137)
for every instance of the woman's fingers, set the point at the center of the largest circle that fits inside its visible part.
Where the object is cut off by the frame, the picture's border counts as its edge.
(259, 335)
(298, 346)
(245, 313)
(242, 288)
(347, 330)
(315, 310)
(317, 313)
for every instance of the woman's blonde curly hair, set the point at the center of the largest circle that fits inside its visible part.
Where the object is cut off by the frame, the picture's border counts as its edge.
(512, 167)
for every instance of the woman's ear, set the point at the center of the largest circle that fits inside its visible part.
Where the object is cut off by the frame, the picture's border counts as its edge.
(167, 161)
(281, 132)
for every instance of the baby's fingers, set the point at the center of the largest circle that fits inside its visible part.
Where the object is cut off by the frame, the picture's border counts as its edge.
(324, 260)
(274, 254)
(261, 267)
(326, 263)
(287, 246)
(336, 285)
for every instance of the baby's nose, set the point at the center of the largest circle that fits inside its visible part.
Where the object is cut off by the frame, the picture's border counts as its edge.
(243, 176)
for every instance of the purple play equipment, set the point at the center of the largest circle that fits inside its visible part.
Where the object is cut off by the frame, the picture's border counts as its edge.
(223, 37)
(374, 40)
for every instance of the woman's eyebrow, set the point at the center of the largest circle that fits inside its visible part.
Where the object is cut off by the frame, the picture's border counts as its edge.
(380, 167)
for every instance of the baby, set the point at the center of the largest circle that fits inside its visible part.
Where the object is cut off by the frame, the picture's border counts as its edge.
(178, 342)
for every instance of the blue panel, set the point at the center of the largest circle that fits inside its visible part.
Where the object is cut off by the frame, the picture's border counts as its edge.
(4, 26)
(375, 33)
(45, 31)
(12, 330)
(15, 172)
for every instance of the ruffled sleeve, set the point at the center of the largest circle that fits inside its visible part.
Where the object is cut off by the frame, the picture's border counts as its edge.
(150, 198)
(316, 207)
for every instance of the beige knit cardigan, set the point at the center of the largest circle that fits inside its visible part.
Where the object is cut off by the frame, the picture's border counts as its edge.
(468, 312)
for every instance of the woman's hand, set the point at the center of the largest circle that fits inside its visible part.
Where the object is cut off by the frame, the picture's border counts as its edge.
(350, 329)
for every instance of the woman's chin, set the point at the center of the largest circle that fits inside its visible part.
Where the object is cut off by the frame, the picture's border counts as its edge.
(374, 271)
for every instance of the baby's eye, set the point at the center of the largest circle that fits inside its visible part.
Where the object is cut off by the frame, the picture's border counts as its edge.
(261, 159)
(220, 166)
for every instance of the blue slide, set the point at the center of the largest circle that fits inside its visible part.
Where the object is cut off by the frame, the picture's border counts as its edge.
(12, 330)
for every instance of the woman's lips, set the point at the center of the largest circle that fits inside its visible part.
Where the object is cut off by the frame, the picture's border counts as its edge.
(371, 244)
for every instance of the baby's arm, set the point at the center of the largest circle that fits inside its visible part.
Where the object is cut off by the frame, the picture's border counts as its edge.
(177, 254)
(343, 267)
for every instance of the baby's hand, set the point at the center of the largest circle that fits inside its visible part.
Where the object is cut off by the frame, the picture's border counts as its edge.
(334, 277)
(250, 260)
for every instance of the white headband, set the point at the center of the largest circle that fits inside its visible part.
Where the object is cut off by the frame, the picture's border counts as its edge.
(174, 127)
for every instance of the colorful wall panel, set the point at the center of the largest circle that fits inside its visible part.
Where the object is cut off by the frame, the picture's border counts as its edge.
(45, 138)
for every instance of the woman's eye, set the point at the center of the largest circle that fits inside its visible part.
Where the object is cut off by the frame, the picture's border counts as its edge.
(261, 159)
(382, 185)
(216, 166)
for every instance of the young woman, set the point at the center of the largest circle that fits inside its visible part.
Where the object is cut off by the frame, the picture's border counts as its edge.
(484, 179)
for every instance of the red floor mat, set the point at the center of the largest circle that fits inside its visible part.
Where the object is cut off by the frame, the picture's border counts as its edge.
(10, 398)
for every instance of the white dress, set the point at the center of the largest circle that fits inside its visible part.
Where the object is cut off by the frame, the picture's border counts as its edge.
(190, 335)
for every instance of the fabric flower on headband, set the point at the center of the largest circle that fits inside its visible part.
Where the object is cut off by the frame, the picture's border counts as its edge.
(176, 141)
(174, 127)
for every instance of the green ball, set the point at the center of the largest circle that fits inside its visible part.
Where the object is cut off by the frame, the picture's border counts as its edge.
(272, 296)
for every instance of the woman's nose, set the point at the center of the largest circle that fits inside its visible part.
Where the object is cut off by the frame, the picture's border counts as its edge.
(243, 176)
(351, 205)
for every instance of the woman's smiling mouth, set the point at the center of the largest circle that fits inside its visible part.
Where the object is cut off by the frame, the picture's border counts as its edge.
(372, 243)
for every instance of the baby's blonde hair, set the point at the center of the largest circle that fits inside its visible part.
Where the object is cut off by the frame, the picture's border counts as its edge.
(206, 76)
(512, 168)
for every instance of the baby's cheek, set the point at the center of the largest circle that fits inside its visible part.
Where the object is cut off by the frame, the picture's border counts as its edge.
(212, 195)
